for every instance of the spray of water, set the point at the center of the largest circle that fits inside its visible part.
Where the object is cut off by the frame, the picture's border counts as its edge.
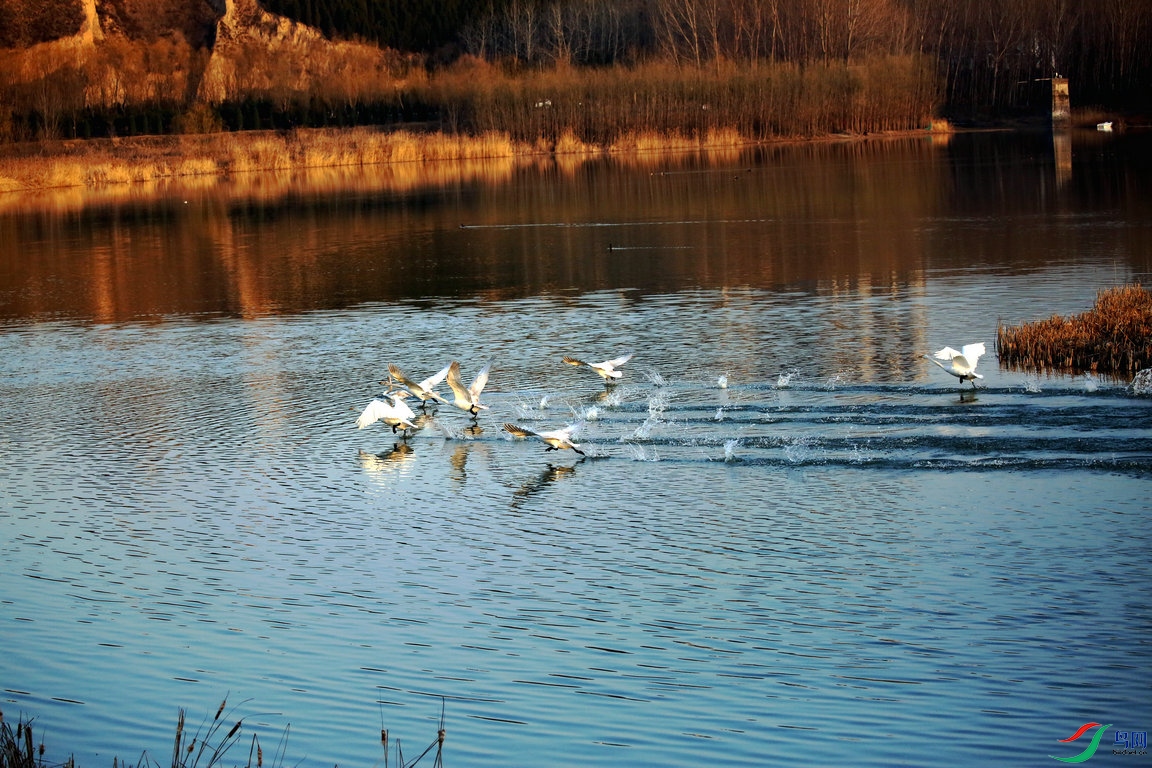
(730, 447)
(722, 382)
(657, 404)
(784, 380)
(643, 453)
(835, 382)
(655, 378)
(1142, 382)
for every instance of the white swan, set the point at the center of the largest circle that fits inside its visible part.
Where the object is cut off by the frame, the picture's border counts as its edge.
(963, 362)
(557, 439)
(422, 389)
(395, 414)
(607, 369)
(467, 399)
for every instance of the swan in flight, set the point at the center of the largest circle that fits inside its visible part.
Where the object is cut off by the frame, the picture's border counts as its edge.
(395, 414)
(607, 369)
(557, 439)
(425, 390)
(963, 362)
(467, 399)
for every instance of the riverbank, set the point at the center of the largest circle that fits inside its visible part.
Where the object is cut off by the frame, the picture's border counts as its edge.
(142, 163)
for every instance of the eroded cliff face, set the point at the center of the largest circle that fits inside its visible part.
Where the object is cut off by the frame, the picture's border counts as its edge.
(257, 51)
(261, 54)
(133, 53)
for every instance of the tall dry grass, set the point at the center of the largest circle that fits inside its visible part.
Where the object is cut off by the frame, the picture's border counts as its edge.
(1115, 336)
(620, 105)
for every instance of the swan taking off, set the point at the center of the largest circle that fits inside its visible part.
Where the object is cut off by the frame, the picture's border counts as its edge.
(394, 414)
(963, 364)
(607, 369)
(467, 399)
(425, 390)
(557, 439)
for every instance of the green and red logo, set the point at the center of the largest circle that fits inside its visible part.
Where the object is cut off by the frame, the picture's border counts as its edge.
(1092, 746)
(1126, 742)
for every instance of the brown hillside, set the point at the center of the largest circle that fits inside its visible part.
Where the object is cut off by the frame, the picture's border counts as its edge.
(24, 23)
(149, 20)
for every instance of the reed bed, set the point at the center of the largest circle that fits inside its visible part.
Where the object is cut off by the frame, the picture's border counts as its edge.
(1115, 336)
(206, 747)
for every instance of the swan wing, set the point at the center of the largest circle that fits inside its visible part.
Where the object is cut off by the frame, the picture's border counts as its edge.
(453, 379)
(372, 413)
(400, 408)
(520, 431)
(573, 361)
(435, 379)
(479, 382)
(945, 354)
(973, 352)
(616, 362)
(395, 372)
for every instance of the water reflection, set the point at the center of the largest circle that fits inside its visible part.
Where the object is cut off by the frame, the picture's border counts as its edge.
(828, 218)
(540, 481)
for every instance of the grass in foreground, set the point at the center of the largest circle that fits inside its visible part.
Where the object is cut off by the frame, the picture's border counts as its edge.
(208, 746)
(1115, 336)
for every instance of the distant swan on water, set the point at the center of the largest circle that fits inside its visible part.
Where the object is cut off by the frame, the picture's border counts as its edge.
(607, 370)
(557, 439)
(425, 390)
(963, 363)
(468, 399)
(395, 414)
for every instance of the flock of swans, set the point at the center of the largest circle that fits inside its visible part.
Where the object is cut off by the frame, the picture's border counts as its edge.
(393, 410)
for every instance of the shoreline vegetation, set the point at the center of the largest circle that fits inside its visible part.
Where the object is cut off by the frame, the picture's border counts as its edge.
(127, 91)
(206, 747)
(1114, 337)
(484, 113)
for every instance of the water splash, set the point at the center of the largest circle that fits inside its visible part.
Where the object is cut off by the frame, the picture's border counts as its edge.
(784, 380)
(730, 447)
(544, 402)
(591, 413)
(448, 432)
(1032, 385)
(799, 450)
(657, 404)
(1142, 382)
(644, 431)
(719, 414)
(834, 382)
(655, 378)
(722, 382)
(1091, 383)
(613, 398)
(643, 453)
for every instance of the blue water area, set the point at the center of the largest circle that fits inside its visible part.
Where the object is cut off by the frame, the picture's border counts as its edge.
(791, 539)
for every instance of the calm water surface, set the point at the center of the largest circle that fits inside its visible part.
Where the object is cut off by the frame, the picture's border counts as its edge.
(793, 540)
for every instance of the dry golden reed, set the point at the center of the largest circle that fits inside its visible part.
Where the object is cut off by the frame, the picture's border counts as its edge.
(1115, 336)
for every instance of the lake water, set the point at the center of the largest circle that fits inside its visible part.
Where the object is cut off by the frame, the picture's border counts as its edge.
(840, 557)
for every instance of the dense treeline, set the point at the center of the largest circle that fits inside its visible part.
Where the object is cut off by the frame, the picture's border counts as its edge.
(990, 52)
(581, 67)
